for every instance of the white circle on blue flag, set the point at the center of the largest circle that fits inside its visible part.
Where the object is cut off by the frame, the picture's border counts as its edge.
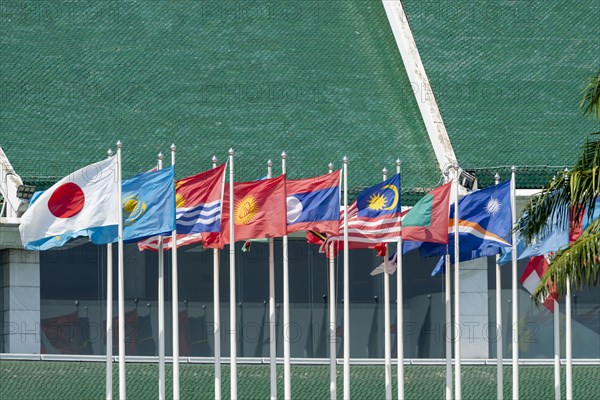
(294, 209)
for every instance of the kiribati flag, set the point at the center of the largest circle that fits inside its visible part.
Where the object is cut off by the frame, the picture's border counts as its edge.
(314, 204)
(199, 201)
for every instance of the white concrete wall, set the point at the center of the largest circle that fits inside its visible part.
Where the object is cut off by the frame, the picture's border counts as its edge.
(21, 301)
(474, 315)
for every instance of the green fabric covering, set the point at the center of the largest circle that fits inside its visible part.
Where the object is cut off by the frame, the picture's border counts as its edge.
(29, 380)
(508, 77)
(318, 80)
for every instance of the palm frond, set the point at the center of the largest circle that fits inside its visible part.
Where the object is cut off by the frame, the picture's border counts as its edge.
(590, 102)
(580, 262)
(576, 191)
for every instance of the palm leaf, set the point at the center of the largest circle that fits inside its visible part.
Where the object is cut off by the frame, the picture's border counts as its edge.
(577, 189)
(590, 102)
(580, 262)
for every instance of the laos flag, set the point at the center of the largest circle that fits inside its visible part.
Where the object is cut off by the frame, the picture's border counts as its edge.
(85, 203)
(314, 204)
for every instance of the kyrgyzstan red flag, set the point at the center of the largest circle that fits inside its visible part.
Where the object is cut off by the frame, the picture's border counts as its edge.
(259, 212)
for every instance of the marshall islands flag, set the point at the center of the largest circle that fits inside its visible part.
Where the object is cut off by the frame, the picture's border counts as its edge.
(199, 200)
(314, 204)
(484, 224)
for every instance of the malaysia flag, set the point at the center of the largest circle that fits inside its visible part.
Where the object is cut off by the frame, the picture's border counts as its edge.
(199, 200)
(314, 204)
(85, 203)
(373, 217)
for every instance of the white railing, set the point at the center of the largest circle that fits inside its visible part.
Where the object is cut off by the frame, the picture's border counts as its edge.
(298, 361)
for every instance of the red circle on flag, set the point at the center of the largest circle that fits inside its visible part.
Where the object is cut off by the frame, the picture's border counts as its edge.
(66, 201)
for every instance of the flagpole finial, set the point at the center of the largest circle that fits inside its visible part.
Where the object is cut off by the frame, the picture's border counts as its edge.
(384, 170)
(398, 162)
(284, 155)
(345, 160)
(214, 159)
(566, 174)
(119, 144)
(173, 147)
(330, 166)
(160, 155)
(497, 177)
(269, 163)
(231, 152)
(110, 152)
(513, 168)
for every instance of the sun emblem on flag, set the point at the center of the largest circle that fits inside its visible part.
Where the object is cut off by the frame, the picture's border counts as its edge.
(179, 200)
(493, 206)
(379, 201)
(246, 210)
(133, 209)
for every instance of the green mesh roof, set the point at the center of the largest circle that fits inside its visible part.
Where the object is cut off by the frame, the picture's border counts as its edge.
(508, 77)
(31, 380)
(319, 80)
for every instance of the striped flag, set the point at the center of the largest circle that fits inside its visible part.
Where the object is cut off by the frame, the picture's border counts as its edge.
(199, 200)
(374, 217)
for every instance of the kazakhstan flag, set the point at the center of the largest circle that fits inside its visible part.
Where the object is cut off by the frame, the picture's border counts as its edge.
(148, 206)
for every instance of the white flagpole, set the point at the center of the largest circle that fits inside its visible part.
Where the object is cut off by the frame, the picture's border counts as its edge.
(448, 315)
(287, 386)
(386, 325)
(161, 309)
(556, 350)
(272, 321)
(346, 289)
(515, 309)
(232, 305)
(499, 366)
(217, 313)
(457, 367)
(400, 308)
(332, 321)
(568, 343)
(121, 281)
(448, 312)
(175, 302)
(109, 315)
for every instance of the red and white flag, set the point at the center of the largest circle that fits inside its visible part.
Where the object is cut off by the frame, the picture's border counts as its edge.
(85, 203)
(532, 275)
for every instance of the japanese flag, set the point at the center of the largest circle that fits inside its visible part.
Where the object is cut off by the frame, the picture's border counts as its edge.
(85, 203)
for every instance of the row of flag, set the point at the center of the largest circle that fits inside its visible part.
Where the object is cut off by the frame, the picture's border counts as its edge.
(198, 209)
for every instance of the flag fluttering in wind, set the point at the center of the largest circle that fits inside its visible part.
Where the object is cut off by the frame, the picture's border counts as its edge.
(373, 217)
(427, 220)
(198, 208)
(148, 203)
(314, 204)
(484, 224)
(259, 212)
(532, 275)
(556, 237)
(81, 204)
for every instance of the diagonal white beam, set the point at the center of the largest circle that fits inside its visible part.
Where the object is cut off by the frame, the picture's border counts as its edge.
(413, 65)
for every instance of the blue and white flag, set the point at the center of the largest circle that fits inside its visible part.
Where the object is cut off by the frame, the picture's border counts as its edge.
(199, 200)
(485, 222)
(148, 205)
